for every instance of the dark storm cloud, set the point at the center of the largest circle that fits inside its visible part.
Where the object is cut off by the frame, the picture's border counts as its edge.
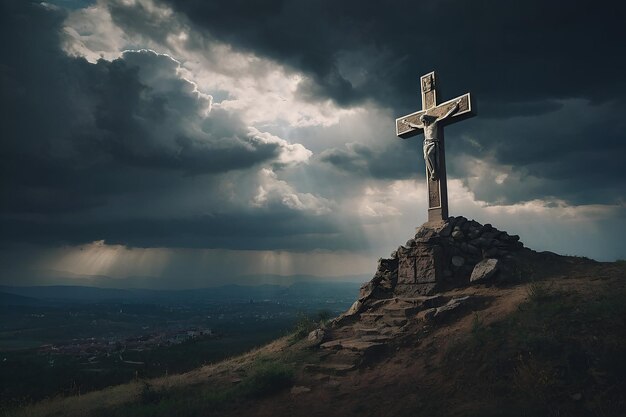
(396, 161)
(81, 138)
(503, 51)
(66, 120)
(519, 59)
(277, 229)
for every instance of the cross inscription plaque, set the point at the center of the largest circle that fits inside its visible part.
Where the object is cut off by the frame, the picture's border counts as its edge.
(431, 120)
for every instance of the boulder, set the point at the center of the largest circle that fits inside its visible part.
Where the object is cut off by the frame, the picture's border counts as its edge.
(446, 311)
(354, 308)
(472, 249)
(490, 253)
(484, 270)
(457, 234)
(316, 336)
(458, 261)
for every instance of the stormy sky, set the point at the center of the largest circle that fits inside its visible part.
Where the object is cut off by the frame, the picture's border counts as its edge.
(190, 143)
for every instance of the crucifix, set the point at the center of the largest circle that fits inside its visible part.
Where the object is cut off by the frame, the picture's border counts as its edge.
(431, 120)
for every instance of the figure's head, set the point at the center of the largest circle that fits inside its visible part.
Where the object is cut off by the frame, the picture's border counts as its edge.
(426, 119)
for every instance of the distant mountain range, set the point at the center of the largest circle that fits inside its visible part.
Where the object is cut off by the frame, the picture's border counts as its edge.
(38, 277)
(306, 290)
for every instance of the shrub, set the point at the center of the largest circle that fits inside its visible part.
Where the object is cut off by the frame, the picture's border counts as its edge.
(303, 327)
(268, 377)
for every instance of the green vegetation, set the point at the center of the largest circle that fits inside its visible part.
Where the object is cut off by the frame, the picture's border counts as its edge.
(559, 354)
(305, 324)
(27, 376)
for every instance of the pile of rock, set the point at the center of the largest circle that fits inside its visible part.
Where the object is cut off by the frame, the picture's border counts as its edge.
(445, 255)
(471, 251)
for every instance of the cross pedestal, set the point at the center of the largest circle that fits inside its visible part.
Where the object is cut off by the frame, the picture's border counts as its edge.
(431, 120)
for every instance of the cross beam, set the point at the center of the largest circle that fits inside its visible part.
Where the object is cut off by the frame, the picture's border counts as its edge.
(437, 116)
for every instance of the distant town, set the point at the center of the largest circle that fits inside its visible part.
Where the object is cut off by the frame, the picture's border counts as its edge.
(75, 339)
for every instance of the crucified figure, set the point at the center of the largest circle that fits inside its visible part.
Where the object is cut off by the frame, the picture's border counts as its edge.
(431, 139)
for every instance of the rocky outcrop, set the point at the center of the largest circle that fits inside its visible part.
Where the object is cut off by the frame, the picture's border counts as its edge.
(443, 256)
(411, 291)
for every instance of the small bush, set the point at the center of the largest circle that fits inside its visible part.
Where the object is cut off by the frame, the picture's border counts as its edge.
(267, 378)
(323, 316)
(537, 292)
(302, 328)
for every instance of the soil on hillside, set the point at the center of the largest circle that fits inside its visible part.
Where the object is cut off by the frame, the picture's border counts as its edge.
(554, 346)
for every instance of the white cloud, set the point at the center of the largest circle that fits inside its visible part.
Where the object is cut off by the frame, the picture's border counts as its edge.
(261, 91)
(290, 154)
(91, 33)
(275, 192)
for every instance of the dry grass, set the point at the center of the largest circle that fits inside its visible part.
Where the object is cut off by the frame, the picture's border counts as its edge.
(504, 357)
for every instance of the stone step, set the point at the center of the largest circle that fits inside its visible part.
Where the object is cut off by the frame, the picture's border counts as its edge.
(332, 344)
(372, 319)
(375, 338)
(392, 321)
(424, 301)
(372, 314)
(361, 345)
(401, 311)
(330, 368)
(367, 331)
(345, 357)
(356, 344)
(387, 331)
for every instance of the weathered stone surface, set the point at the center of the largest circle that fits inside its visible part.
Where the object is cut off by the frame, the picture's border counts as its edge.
(472, 249)
(330, 368)
(490, 253)
(296, 390)
(484, 270)
(458, 261)
(433, 301)
(316, 337)
(441, 256)
(490, 235)
(444, 312)
(353, 344)
(332, 344)
(383, 282)
(457, 234)
(367, 331)
(418, 265)
(446, 230)
(412, 290)
(354, 308)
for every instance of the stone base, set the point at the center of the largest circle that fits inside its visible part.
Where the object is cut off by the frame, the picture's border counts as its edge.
(441, 256)
(414, 290)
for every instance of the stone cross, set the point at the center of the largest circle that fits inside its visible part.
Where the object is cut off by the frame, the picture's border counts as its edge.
(431, 120)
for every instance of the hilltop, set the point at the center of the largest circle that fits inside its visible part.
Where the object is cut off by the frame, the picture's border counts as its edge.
(507, 331)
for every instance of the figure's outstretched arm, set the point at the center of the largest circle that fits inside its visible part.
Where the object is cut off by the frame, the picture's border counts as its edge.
(452, 110)
(413, 125)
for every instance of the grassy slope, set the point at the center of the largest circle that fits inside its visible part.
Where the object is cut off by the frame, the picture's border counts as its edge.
(551, 348)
